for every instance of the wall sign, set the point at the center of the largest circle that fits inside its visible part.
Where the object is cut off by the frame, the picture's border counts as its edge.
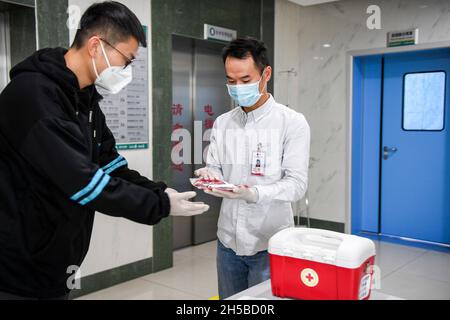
(403, 38)
(127, 113)
(219, 33)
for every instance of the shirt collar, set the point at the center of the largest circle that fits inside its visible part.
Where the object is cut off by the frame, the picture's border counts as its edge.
(257, 114)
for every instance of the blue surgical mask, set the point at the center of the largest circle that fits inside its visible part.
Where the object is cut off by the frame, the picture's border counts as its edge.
(246, 95)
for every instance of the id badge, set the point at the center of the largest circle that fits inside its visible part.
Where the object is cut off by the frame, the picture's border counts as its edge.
(259, 162)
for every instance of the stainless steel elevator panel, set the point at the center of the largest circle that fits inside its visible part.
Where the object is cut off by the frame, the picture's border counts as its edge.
(199, 97)
(182, 117)
(211, 100)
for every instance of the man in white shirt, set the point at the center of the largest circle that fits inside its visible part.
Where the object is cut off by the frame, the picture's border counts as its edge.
(263, 148)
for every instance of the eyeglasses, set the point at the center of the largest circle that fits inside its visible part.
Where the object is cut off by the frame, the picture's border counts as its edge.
(128, 60)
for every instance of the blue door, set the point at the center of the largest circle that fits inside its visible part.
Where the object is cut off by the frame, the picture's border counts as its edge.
(415, 165)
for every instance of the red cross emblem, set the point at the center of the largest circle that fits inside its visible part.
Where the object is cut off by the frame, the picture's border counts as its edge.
(310, 278)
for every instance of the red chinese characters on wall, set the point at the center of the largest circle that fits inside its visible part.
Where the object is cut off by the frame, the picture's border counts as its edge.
(209, 110)
(177, 110)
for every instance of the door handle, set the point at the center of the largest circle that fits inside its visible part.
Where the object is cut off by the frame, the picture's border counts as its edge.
(387, 151)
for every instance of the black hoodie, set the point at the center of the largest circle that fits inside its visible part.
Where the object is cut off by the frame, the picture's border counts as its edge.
(58, 165)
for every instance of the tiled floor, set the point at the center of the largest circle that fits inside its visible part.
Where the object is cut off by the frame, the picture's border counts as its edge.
(406, 272)
(193, 277)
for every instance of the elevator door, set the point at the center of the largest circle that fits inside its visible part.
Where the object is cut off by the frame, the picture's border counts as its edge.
(17, 36)
(199, 97)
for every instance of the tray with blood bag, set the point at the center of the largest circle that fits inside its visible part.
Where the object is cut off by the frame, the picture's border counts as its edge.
(206, 184)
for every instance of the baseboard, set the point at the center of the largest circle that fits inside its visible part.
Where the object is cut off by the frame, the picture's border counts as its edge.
(427, 245)
(110, 278)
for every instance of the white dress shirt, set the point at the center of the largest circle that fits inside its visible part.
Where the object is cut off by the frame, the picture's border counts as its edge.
(284, 135)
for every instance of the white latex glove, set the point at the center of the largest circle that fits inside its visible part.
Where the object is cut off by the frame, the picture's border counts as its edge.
(208, 174)
(239, 193)
(170, 190)
(180, 206)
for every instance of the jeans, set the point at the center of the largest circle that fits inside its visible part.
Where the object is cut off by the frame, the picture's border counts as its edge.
(238, 273)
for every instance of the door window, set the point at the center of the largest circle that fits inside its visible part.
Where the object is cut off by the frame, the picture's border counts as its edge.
(424, 101)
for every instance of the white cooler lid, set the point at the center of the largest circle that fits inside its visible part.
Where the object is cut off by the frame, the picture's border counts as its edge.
(342, 250)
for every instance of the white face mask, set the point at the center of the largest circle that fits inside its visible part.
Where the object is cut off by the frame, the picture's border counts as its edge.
(112, 79)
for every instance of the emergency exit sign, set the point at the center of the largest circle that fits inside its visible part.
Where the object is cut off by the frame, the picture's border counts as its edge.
(219, 34)
(403, 38)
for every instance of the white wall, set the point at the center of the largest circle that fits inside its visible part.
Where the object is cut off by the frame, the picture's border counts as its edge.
(117, 242)
(320, 89)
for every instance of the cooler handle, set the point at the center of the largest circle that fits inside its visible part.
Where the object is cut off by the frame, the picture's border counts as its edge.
(321, 239)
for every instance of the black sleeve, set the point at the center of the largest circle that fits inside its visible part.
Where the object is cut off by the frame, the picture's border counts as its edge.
(117, 166)
(56, 148)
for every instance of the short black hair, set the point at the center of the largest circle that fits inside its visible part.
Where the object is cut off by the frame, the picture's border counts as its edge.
(113, 21)
(242, 48)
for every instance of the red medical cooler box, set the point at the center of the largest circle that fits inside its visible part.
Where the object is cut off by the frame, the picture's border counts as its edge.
(313, 264)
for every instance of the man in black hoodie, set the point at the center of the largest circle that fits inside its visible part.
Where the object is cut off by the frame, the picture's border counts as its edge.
(58, 160)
